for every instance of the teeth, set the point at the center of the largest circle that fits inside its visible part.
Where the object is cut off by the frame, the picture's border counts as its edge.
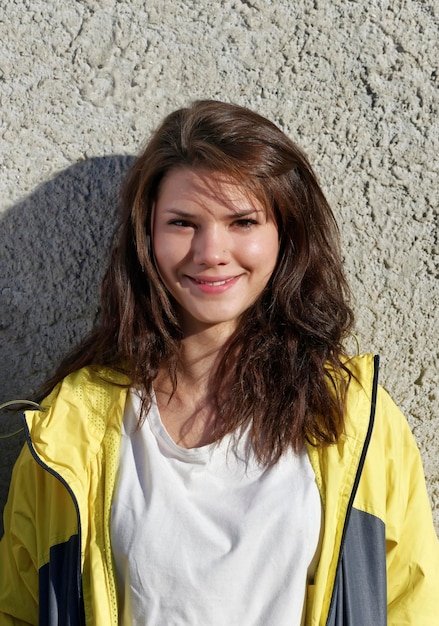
(215, 283)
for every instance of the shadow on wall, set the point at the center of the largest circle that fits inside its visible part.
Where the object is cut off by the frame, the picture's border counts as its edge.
(53, 252)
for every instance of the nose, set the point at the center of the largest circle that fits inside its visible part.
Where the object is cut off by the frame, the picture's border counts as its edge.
(210, 246)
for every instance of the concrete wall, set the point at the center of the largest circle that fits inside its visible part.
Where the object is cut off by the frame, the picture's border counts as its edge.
(83, 83)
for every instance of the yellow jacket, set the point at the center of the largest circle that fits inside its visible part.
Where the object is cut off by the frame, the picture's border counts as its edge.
(379, 559)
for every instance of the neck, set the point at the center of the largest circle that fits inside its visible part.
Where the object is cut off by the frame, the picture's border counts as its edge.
(189, 412)
(199, 358)
(200, 354)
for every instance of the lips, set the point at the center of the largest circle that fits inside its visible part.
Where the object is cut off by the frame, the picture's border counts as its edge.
(213, 283)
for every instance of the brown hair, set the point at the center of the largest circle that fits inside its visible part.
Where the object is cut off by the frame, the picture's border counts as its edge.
(283, 372)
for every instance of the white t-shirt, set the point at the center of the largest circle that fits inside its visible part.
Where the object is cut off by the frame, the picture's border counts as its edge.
(206, 536)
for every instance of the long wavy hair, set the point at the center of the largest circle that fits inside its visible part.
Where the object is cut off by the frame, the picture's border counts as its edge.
(283, 374)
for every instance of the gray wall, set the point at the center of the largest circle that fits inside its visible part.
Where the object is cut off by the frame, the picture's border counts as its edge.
(355, 83)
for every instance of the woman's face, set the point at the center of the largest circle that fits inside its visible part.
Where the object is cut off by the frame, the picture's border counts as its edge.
(214, 247)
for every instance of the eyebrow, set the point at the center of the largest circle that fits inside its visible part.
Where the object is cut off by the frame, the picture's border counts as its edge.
(235, 214)
(180, 213)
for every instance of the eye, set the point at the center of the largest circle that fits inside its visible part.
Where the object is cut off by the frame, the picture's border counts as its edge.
(181, 223)
(246, 222)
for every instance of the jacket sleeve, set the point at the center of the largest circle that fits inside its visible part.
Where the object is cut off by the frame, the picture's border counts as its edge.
(18, 552)
(412, 547)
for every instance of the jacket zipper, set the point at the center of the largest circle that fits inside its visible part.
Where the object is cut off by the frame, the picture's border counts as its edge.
(75, 503)
(376, 362)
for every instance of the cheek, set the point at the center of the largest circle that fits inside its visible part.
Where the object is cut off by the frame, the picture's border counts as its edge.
(169, 253)
(265, 252)
(162, 254)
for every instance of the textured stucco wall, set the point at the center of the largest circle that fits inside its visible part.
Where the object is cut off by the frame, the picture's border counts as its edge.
(354, 82)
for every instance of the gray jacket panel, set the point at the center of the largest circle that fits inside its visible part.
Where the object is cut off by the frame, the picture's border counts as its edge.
(360, 591)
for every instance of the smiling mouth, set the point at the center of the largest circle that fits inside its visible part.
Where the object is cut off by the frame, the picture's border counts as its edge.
(213, 283)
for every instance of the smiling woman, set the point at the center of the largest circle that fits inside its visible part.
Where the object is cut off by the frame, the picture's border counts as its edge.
(210, 454)
(214, 246)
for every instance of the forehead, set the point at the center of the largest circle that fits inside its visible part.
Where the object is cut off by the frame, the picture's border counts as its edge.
(206, 188)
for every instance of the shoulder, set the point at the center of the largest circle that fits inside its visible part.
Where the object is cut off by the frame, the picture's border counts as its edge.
(92, 387)
(366, 394)
(364, 373)
(361, 384)
(86, 383)
(80, 408)
(392, 465)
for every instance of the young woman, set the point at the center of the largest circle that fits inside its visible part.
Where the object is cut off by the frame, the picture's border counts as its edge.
(210, 454)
